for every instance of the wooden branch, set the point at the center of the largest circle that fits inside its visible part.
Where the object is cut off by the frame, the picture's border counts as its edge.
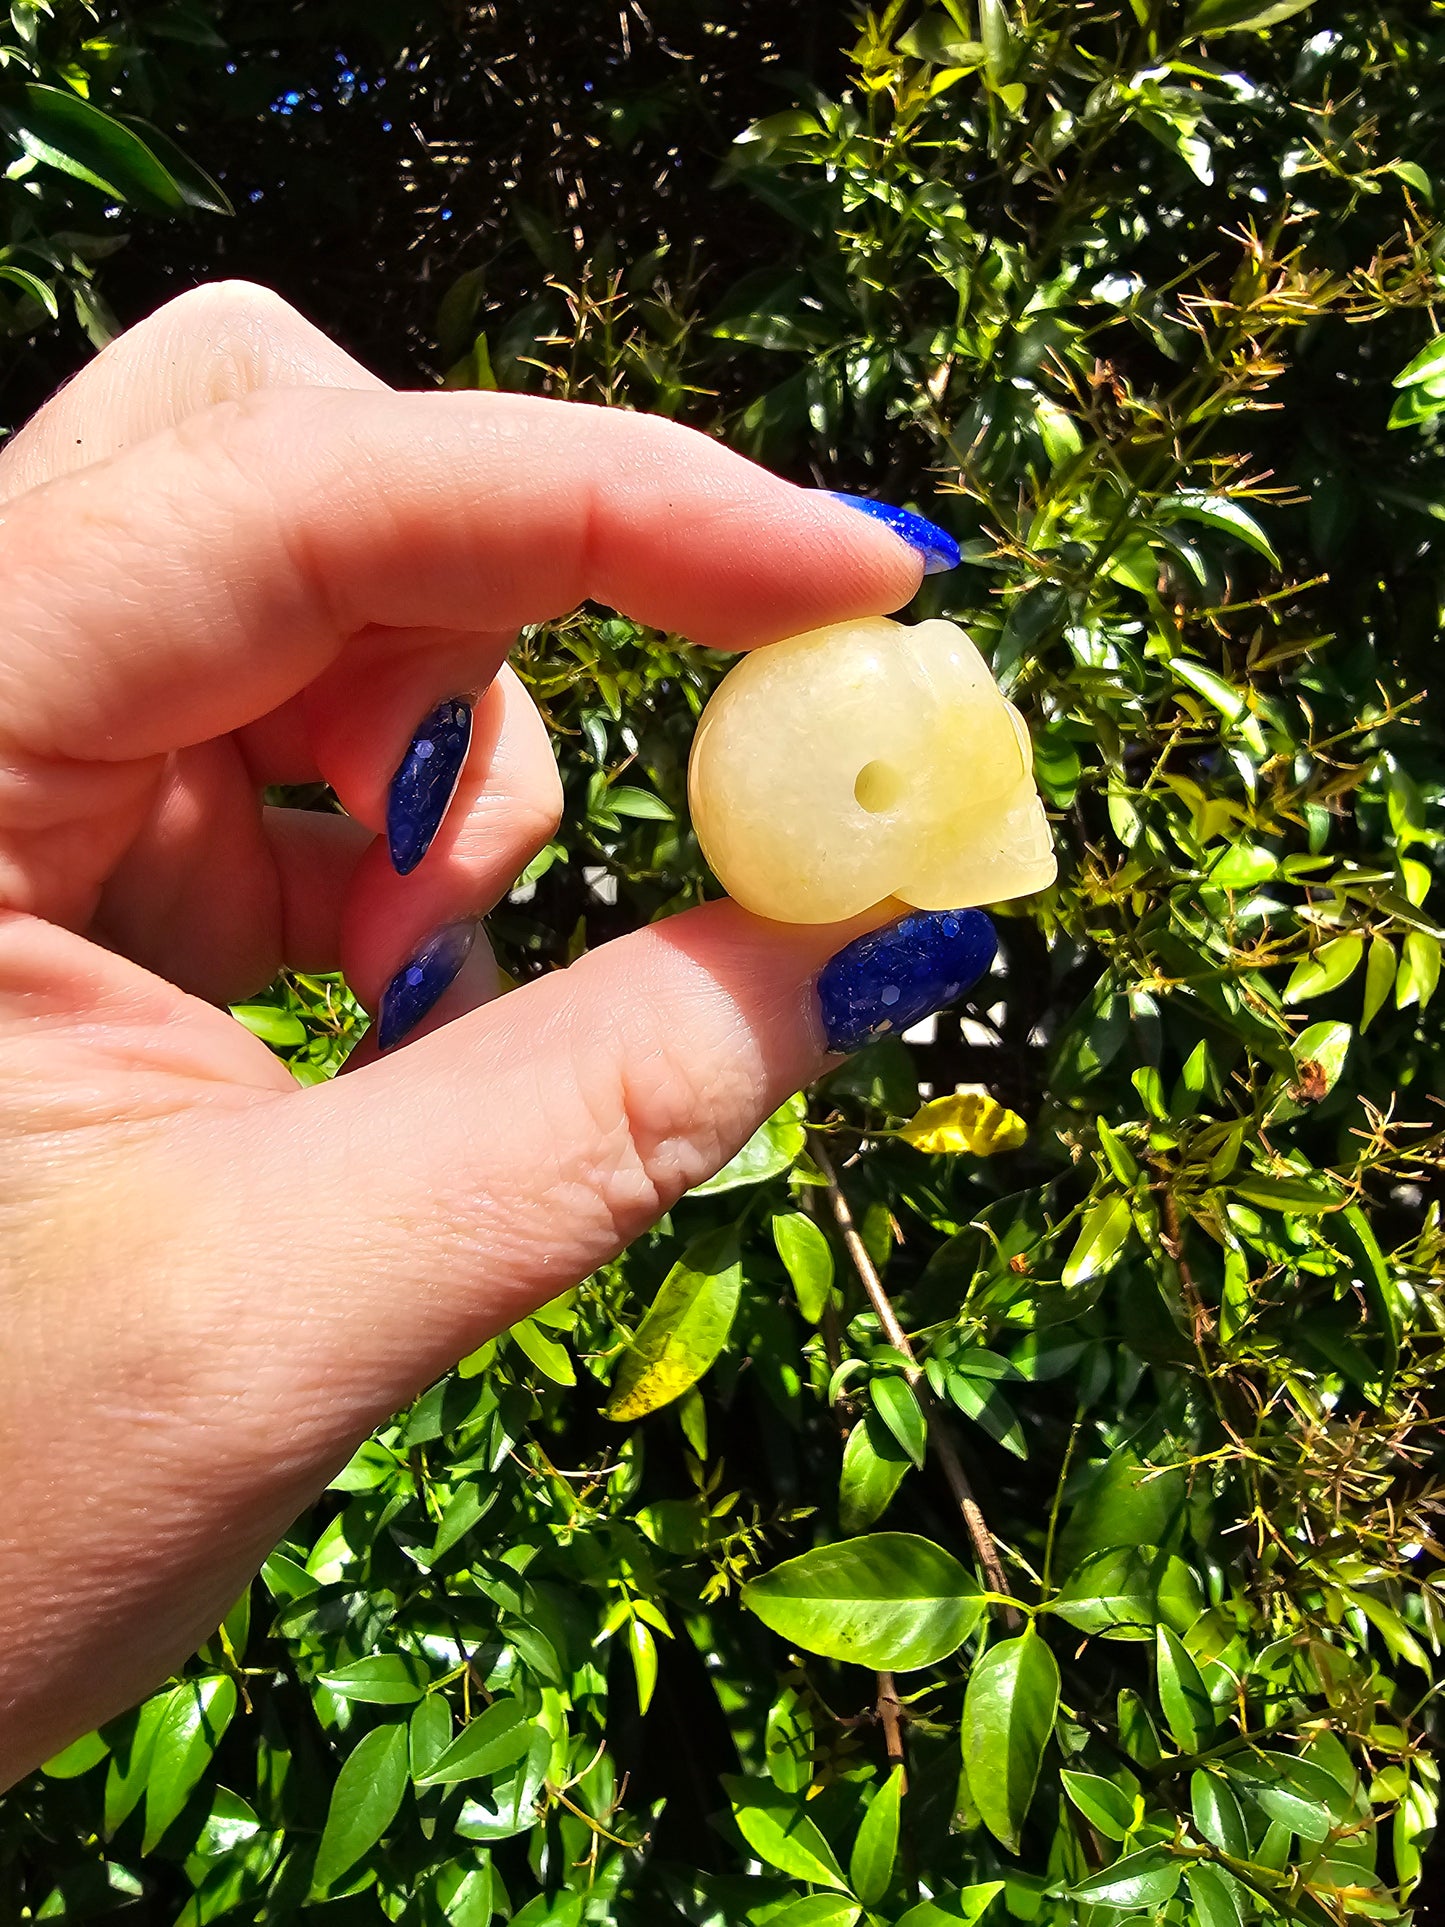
(890, 1718)
(939, 1436)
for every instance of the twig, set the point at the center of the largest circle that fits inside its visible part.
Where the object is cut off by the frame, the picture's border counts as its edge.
(890, 1719)
(1172, 1239)
(938, 1434)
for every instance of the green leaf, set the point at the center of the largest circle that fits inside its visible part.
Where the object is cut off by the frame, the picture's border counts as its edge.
(686, 1327)
(1237, 16)
(1125, 1503)
(1223, 513)
(779, 1831)
(467, 1507)
(870, 1869)
(77, 1758)
(65, 132)
(125, 1777)
(1215, 1896)
(890, 1601)
(818, 1910)
(429, 1733)
(197, 189)
(1183, 1695)
(790, 1741)
(364, 1802)
(282, 1028)
(551, 1358)
(1101, 1238)
(1123, 1592)
(772, 1149)
(497, 1738)
(1230, 703)
(897, 1405)
(1008, 1715)
(1330, 966)
(1216, 1813)
(1244, 866)
(1389, 1304)
(998, 41)
(1419, 970)
(642, 1648)
(1296, 1793)
(986, 1405)
(1107, 1808)
(623, 800)
(808, 1258)
(874, 1464)
(386, 1679)
(1290, 1195)
(38, 291)
(1428, 365)
(198, 1714)
(1144, 1879)
(965, 1905)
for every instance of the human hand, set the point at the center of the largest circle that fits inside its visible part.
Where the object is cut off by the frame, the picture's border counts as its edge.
(231, 558)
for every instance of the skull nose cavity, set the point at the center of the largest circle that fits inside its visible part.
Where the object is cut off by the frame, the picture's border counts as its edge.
(878, 787)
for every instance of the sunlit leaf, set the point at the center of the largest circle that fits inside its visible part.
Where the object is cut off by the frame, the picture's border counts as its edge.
(891, 1601)
(1008, 1715)
(364, 1801)
(968, 1121)
(686, 1327)
(808, 1257)
(779, 1831)
(772, 1149)
(1102, 1235)
(870, 1868)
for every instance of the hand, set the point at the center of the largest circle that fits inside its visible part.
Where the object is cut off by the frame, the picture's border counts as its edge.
(232, 558)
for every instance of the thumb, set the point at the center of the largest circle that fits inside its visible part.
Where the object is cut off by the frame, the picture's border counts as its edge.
(413, 1209)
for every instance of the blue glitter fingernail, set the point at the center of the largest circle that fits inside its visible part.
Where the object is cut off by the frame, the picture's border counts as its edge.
(416, 987)
(426, 781)
(896, 976)
(937, 547)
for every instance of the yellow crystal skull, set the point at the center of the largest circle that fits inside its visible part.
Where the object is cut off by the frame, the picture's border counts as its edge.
(863, 761)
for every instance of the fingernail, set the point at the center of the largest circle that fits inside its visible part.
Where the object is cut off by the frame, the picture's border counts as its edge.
(426, 781)
(896, 976)
(937, 547)
(417, 986)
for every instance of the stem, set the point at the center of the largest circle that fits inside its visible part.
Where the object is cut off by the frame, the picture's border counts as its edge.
(1063, 1480)
(938, 1435)
(890, 1719)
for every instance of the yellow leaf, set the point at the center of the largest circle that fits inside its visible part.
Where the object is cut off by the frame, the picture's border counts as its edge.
(969, 1120)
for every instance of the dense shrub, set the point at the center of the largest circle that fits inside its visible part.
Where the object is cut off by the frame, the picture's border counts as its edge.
(1047, 1532)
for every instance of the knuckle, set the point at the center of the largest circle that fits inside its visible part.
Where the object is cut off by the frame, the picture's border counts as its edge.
(542, 803)
(238, 323)
(655, 1123)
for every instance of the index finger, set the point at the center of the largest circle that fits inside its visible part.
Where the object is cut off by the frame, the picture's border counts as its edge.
(190, 584)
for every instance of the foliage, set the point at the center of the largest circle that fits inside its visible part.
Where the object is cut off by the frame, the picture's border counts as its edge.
(953, 1512)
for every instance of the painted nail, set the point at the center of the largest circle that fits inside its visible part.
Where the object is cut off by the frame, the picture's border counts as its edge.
(935, 545)
(896, 976)
(416, 987)
(426, 781)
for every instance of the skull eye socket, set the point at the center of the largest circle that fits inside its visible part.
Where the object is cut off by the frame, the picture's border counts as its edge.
(878, 787)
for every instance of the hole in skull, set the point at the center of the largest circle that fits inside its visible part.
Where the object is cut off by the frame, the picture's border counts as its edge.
(877, 787)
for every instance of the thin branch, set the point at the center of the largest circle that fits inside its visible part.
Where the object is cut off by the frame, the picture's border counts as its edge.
(938, 1434)
(890, 1719)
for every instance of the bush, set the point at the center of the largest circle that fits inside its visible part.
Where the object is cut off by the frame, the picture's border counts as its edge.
(1008, 1490)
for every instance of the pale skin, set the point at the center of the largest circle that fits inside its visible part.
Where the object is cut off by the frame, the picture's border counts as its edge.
(229, 557)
